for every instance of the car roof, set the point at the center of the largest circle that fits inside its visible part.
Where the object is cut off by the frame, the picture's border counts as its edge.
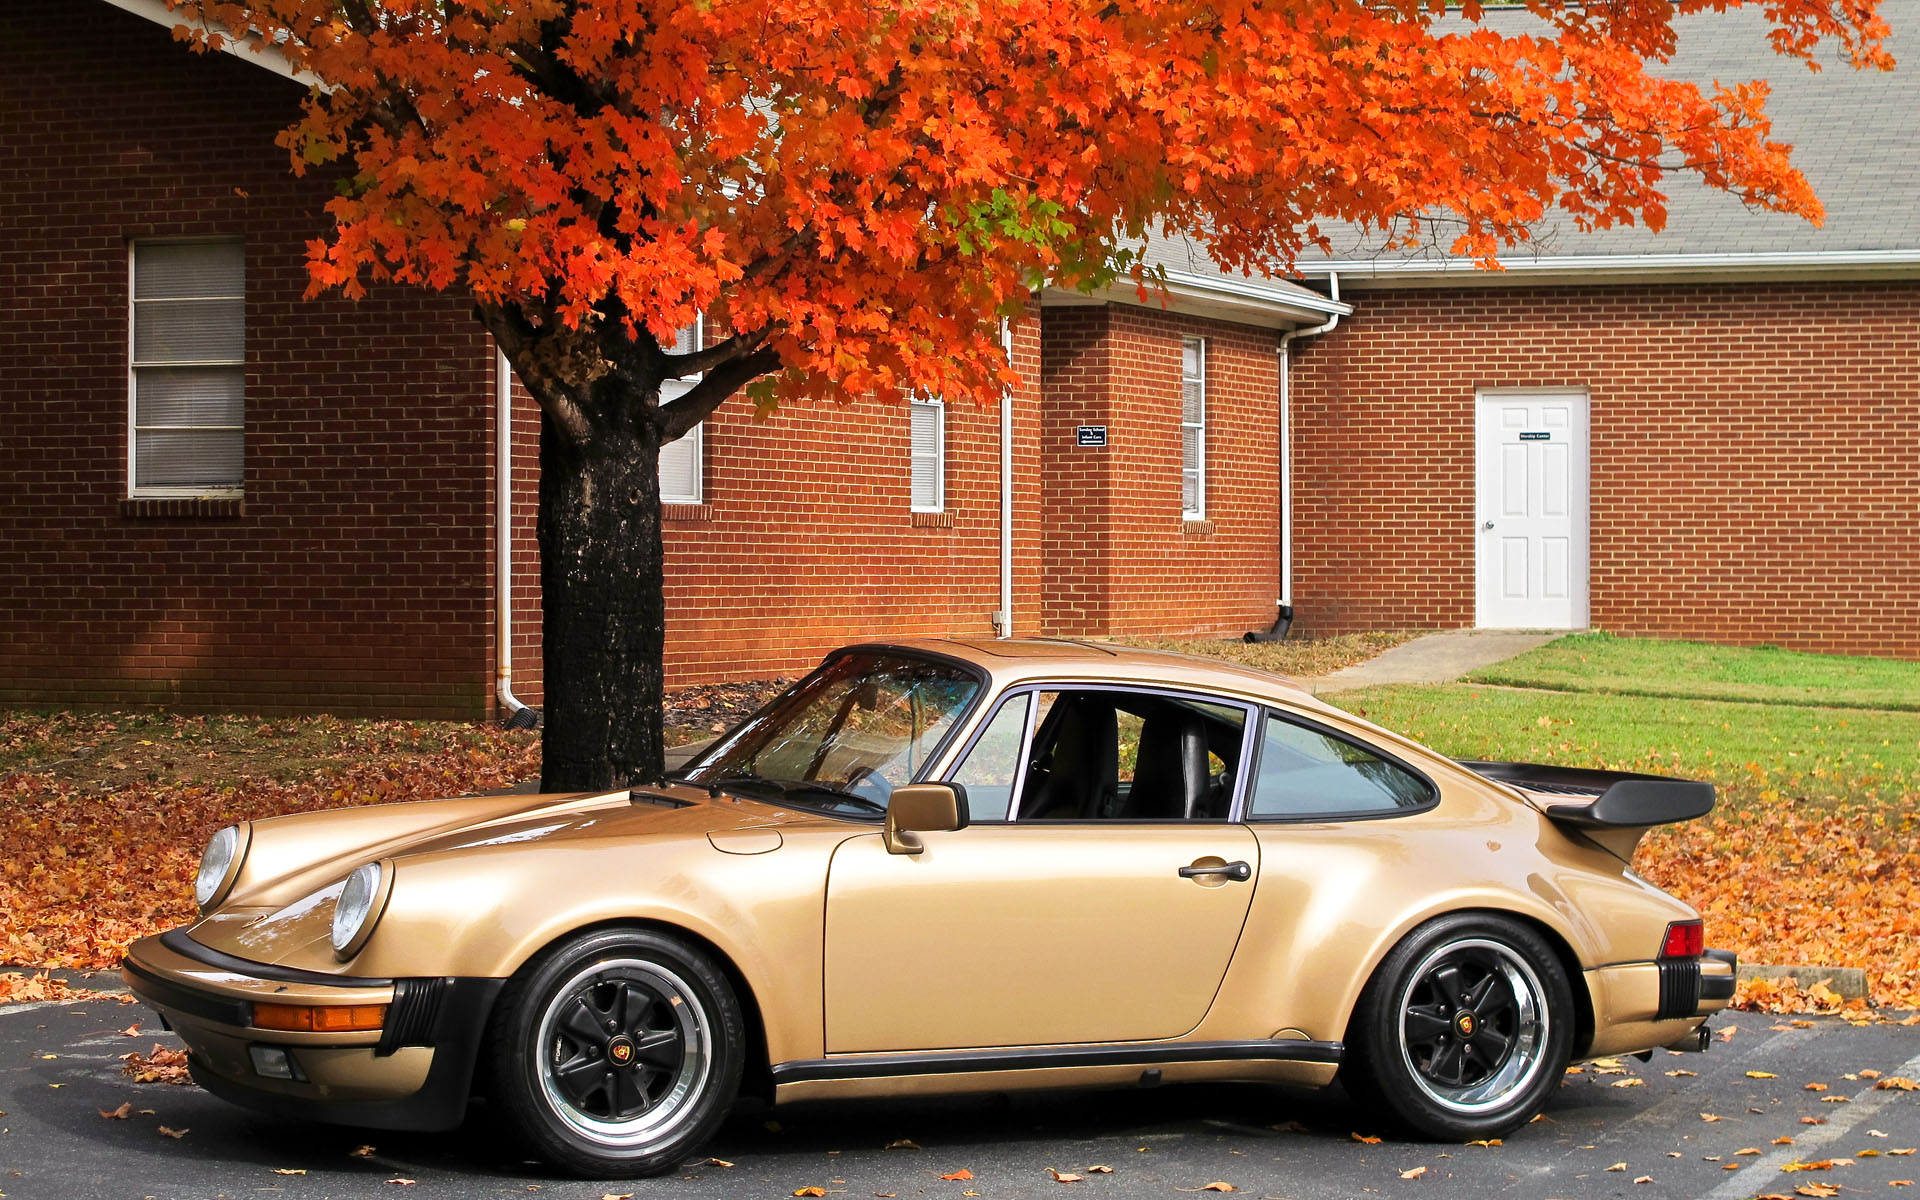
(1012, 660)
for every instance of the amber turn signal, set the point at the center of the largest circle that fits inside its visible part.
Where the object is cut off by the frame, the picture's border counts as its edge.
(323, 1018)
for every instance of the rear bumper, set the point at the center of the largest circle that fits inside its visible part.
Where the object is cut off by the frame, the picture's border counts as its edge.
(415, 1073)
(1651, 1004)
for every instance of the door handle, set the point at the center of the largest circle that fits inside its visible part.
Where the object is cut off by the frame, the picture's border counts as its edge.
(1488, 525)
(1239, 872)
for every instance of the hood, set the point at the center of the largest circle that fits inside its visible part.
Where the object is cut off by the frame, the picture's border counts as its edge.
(297, 865)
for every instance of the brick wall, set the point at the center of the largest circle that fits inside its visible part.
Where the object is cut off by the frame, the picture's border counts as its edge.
(358, 577)
(1754, 451)
(1118, 557)
(806, 540)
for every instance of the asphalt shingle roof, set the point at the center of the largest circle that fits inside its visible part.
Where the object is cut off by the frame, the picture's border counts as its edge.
(1855, 135)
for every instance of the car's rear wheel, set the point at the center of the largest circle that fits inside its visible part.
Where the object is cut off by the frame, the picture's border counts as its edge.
(1465, 1029)
(617, 1053)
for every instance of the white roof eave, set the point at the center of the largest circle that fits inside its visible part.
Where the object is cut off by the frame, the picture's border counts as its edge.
(1609, 268)
(251, 50)
(1241, 301)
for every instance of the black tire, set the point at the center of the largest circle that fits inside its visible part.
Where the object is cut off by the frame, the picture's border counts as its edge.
(1464, 1031)
(617, 1053)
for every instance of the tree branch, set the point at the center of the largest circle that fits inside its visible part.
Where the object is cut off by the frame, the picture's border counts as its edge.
(679, 366)
(721, 382)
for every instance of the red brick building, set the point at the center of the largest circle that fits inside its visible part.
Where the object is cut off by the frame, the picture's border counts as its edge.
(227, 495)
(1738, 457)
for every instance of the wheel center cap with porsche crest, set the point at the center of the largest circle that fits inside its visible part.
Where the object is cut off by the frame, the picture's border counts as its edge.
(620, 1051)
(1464, 1024)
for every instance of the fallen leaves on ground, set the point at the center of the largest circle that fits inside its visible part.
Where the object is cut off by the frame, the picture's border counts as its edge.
(173, 1133)
(961, 1174)
(118, 1114)
(1065, 1176)
(164, 1065)
(1361, 1137)
(22, 988)
(1415, 1173)
(1820, 1191)
(93, 857)
(1785, 874)
(1896, 1083)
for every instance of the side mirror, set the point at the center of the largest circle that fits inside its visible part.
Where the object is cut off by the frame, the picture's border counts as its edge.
(922, 808)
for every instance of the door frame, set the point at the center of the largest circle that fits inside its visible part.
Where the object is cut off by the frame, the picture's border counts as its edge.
(1580, 495)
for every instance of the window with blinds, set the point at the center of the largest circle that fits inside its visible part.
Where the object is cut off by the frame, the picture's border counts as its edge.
(1193, 429)
(680, 460)
(929, 455)
(186, 413)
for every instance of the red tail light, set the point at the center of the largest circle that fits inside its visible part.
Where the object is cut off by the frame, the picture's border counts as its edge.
(1685, 939)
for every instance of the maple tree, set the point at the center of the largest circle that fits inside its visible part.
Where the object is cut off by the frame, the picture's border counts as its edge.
(856, 194)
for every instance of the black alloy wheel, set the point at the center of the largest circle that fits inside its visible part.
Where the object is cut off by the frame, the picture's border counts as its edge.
(1464, 1030)
(618, 1052)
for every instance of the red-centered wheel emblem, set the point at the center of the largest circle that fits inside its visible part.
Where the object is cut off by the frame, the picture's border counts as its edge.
(1465, 1024)
(620, 1050)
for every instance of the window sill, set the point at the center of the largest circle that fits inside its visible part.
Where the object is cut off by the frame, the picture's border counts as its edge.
(1192, 528)
(183, 506)
(932, 520)
(671, 511)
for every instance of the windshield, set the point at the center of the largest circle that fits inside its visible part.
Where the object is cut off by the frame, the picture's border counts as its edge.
(846, 735)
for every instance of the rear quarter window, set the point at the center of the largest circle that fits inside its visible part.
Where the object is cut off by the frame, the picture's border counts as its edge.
(1306, 772)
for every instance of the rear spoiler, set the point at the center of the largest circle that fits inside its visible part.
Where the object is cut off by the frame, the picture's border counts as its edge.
(1603, 799)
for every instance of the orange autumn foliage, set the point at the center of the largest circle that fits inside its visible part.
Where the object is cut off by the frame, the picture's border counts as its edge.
(864, 189)
(1785, 881)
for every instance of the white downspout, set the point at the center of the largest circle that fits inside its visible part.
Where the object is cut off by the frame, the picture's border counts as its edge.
(1003, 620)
(519, 716)
(1286, 438)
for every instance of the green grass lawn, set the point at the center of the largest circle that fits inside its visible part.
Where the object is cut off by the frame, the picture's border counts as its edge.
(1599, 662)
(1761, 750)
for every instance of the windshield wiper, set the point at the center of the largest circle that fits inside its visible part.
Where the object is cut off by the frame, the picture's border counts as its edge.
(747, 781)
(845, 797)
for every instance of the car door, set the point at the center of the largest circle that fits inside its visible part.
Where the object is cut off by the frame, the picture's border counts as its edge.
(1074, 927)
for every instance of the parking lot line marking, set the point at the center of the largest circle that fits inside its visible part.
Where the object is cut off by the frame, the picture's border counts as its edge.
(1865, 1104)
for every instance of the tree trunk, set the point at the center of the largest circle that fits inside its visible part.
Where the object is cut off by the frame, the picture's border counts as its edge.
(604, 610)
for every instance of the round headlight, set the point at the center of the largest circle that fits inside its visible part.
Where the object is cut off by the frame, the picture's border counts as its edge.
(216, 866)
(354, 912)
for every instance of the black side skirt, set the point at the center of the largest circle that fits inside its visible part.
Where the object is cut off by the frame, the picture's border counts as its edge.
(949, 1062)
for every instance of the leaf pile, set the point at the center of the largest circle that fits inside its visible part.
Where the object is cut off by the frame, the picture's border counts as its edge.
(164, 1065)
(89, 862)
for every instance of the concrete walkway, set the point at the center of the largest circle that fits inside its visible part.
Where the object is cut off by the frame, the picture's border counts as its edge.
(1434, 658)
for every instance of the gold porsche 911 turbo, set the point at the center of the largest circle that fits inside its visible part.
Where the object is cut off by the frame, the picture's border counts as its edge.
(943, 866)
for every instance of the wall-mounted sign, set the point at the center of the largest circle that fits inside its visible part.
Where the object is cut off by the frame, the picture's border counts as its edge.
(1090, 435)
(1536, 436)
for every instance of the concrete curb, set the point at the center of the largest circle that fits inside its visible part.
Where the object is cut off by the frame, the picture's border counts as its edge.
(1849, 982)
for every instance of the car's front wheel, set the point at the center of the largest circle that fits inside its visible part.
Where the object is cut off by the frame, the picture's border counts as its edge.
(1465, 1029)
(617, 1053)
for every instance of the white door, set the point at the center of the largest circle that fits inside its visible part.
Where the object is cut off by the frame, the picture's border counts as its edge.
(1531, 528)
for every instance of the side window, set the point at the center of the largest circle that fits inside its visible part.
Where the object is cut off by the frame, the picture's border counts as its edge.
(187, 418)
(682, 459)
(1130, 756)
(993, 764)
(928, 454)
(1307, 773)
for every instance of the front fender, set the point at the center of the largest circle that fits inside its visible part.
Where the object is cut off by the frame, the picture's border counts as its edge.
(487, 912)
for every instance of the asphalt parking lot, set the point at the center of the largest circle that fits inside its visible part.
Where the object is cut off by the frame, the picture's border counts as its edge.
(1675, 1134)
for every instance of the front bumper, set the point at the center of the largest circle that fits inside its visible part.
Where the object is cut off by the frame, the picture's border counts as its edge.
(414, 1073)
